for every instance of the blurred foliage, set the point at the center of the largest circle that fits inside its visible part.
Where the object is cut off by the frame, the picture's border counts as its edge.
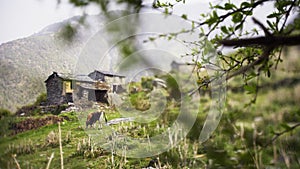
(247, 62)
(147, 83)
(140, 101)
(68, 32)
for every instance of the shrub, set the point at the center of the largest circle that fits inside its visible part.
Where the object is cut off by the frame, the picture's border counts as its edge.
(147, 83)
(28, 110)
(69, 116)
(33, 109)
(41, 99)
(4, 113)
(140, 101)
(24, 147)
(6, 120)
(57, 109)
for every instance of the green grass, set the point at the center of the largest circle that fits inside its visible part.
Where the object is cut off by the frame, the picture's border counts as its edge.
(238, 142)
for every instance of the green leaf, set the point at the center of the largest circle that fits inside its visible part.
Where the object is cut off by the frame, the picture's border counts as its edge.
(211, 5)
(199, 64)
(229, 6)
(239, 26)
(250, 88)
(230, 28)
(249, 13)
(274, 15)
(213, 19)
(79, 2)
(237, 17)
(184, 16)
(272, 131)
(152, 38)
(271, 25)
(219, 7)
(166, 11)
(215, 14)
(285, 126)
(280, 5)
(224, 29)
(157, 4)
(246, 5)
(297, 112)
(69, 32)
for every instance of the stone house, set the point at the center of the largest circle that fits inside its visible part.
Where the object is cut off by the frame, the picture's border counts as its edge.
(114, 80)
(62, 88)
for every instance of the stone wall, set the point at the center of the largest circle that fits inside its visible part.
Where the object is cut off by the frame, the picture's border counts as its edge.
(54, 91)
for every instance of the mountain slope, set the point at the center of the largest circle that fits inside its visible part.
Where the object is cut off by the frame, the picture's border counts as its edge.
(26, 63)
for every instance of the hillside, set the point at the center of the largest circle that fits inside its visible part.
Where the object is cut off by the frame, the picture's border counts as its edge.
(26, 63)
(264, 134)
(261, 135)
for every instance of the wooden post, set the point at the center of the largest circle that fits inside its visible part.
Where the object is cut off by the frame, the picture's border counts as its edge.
(50, 159)
(60, 148)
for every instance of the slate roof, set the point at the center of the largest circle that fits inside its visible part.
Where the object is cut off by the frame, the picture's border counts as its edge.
(108, 73)
(81, 78)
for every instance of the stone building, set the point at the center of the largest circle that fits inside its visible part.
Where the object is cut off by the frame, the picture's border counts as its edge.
(116, 81)
(61, 88)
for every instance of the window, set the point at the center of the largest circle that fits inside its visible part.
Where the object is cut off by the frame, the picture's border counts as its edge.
(68, 86)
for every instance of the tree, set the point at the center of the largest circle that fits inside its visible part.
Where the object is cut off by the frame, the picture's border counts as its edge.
(260, 53)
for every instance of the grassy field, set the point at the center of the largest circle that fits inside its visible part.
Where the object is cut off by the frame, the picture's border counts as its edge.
(242, 139)
(260, 135)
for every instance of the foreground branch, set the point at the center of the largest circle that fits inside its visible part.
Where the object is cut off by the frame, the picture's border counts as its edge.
(274, 41)
(244, 69)
(277, 135)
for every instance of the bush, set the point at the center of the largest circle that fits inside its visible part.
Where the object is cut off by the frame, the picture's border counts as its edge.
(69, 116)
(58, 108)
(4, 113)
(33, 109)
(41, 99)
(140, 101)
(28, 110)
(6, 119)
(147, 83)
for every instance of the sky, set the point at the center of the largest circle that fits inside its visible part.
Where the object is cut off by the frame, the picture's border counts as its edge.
(22, 18)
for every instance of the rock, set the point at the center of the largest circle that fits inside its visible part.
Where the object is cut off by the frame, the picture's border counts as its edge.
(119, 120)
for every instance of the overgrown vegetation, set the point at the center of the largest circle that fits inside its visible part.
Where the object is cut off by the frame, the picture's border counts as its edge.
(262, 135)
(6, 120)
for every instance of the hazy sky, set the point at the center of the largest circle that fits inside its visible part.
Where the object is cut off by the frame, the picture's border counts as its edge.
(22, 18)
